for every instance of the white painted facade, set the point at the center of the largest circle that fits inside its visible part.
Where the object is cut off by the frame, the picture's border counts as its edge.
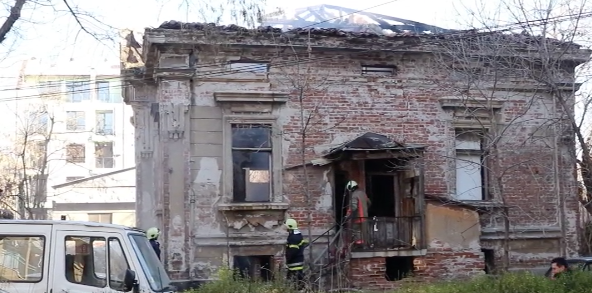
(91, 116)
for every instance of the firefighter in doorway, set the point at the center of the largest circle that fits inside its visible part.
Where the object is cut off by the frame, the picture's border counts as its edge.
(357, 212)
(295, 246)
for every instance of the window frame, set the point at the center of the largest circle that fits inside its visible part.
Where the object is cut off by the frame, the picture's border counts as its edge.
(101, 113)
(109, 261)
(79, 87)
(481, 153)
(276, 193)
(90, 244)
(76, 117)
(102, 158)
(68, 160)
(100, 217)
(98, 91)
(42, 263)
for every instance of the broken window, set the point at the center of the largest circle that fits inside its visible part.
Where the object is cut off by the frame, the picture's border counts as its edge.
(75, 121)
(75, 153)
(253, 267)
(378, 70)
(104, 155)
(251, 158)
(253, 66)
(470, 168)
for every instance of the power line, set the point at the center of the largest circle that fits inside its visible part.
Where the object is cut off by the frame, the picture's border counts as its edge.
(296, 62)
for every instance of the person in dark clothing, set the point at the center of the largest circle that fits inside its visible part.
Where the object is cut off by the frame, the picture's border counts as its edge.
(559, 268)
(295, 246)
(152, 235)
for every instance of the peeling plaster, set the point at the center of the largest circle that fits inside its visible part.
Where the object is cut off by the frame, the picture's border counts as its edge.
(209, 174)
(176, 247)
(325, 201)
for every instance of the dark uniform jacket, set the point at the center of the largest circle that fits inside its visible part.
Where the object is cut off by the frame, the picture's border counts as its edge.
(156, 247)
(295, 250)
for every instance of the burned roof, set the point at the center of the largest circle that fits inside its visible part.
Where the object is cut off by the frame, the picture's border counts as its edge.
(278, 33)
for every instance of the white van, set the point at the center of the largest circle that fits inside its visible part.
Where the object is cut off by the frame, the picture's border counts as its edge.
(66, 256)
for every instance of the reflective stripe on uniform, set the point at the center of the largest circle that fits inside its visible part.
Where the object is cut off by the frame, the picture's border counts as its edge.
(296, 268)
(293, 246)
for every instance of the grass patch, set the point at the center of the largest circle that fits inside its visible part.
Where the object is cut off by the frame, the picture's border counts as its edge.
(575, 282)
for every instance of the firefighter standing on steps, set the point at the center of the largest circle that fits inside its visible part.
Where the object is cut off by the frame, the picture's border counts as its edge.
(358, 212)
(295, 246)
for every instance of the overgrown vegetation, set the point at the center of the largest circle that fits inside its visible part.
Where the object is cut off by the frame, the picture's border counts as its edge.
(576, 281)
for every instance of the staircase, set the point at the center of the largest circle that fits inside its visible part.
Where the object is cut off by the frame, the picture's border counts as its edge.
(329, 269)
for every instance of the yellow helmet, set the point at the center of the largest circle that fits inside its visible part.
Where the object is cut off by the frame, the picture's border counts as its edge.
(152, 233)
(291, 224)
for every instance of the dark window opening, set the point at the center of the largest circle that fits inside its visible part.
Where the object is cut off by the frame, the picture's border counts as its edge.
(489, 256)
(381, 191)
(398, 267)
(254, 267)
(251, 158)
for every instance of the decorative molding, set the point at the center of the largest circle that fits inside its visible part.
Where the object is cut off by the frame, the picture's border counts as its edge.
(173, 119)
(472, 103)
(252, 97)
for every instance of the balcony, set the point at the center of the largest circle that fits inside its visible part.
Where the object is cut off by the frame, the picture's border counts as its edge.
(387, 233)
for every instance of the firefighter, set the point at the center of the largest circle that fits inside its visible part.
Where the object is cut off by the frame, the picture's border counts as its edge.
(152, 235)
(358, 211)
(295, 246)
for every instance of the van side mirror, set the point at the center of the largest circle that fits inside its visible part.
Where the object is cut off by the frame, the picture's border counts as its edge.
(129, 281)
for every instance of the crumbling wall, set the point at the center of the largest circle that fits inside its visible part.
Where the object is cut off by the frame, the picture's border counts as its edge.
(337, 101)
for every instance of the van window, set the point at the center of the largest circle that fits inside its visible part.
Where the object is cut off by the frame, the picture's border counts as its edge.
(21, 258)
(117, 265)
(86, 260)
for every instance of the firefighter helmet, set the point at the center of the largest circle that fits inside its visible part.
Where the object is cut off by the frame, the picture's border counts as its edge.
(152, 233)
(351, 184)
(291, 224)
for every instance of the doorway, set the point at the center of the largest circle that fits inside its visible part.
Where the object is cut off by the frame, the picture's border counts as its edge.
(341, 199)
(381, 191)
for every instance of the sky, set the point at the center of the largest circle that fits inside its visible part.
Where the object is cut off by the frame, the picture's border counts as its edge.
(51, 33)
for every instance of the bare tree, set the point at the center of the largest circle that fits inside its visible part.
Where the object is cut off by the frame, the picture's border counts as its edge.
(25, 163)
(528, 66)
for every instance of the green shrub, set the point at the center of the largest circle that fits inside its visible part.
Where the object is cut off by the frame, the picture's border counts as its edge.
(576, 282)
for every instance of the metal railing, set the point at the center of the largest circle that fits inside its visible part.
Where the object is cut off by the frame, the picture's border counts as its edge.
(378, 233)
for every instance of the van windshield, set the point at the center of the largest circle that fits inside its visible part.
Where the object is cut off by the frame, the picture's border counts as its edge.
(155, 273)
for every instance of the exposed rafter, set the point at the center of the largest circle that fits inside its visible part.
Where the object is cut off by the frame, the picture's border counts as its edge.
(331, 16)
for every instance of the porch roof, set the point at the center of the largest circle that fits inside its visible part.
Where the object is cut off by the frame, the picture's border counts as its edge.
(368, 142)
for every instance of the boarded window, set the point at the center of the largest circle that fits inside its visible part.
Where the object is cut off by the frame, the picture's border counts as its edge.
(75, 153)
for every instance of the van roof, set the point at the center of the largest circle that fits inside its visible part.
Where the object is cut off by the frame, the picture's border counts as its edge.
(72, 223)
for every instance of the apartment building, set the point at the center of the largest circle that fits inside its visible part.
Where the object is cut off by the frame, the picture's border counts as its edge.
(80, 128)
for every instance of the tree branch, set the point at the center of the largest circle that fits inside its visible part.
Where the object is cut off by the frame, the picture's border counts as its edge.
(15, 14)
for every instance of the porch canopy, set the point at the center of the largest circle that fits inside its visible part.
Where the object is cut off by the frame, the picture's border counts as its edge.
(364, 146)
